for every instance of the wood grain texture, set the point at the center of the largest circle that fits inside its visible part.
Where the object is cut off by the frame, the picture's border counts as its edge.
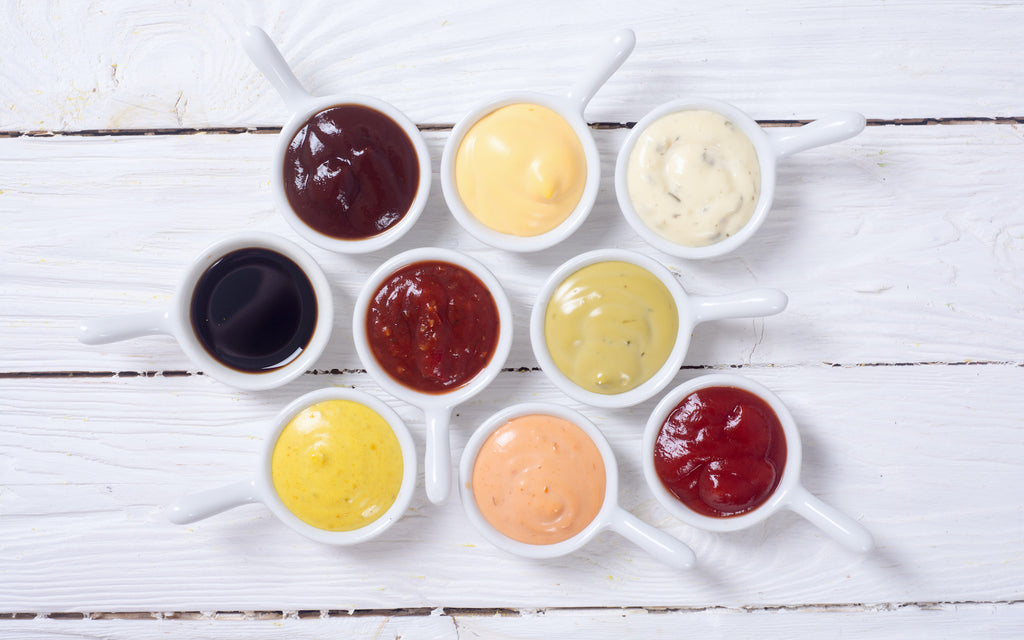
(902, 252)
(84, 479)
(118, 65)
(904, 622)
(901, 245)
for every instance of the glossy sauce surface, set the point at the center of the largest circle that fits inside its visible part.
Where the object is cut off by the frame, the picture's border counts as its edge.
(694, 178)
(351, 172)
(254, 310)
(539, 479)
(521, 170)
(610, 326)
(432, 326)
(721, 451)
(337, 465)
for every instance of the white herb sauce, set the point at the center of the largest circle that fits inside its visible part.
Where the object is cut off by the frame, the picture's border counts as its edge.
(693, 177)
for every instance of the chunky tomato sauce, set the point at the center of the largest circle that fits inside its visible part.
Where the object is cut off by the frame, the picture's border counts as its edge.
(432, 326)
(721, 451)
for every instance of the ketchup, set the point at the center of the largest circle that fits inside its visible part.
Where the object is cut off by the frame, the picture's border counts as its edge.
(721, 451)
(432, 326)
(351, 172)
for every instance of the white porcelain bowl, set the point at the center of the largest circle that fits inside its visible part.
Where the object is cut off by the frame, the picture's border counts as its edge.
(437, 407)
(303, 106)
(788, 494)
(692, 310)
(771, 146)
(174, 319)
(570, 108)
(611, 516)
(261, 489)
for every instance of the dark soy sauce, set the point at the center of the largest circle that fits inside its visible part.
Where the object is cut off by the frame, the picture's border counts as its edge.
(254, 310)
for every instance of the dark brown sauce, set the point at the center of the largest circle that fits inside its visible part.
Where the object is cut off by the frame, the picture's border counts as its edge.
(351, 172)
(254, 310)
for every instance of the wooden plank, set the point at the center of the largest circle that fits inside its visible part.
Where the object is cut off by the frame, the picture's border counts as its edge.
(901, 245)
(927, 457)
(902, 622)
(438, 627)
(131, 65)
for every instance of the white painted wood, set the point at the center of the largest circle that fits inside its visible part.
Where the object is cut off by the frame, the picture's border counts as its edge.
(902, 245)
(927, 457)
(438, 627)
(120, 65)
(903, 622)
(856, 622)
(899, 248)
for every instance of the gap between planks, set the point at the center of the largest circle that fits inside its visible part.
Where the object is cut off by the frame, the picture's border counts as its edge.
(9, 375)
(454, 612)
(871, 122)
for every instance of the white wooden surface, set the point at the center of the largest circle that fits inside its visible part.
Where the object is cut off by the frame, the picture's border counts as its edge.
(900, 354)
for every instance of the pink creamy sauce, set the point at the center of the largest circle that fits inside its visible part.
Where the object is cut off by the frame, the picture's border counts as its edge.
(539, 479)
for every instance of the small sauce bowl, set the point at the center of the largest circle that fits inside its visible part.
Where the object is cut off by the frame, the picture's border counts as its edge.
(175, 320)
(570, 107)
(261, 489)
(771, 146)
(661, 545)
(437, 407)
(789, 493)
(692, 310)
(304, 106)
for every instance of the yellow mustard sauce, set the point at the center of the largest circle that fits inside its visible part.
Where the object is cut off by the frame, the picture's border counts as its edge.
(521, 170)
(337, 465)
(610, 326)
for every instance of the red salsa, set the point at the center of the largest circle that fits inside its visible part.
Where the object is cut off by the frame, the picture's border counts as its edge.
(721, 451)
(351, 172)
(432, 326)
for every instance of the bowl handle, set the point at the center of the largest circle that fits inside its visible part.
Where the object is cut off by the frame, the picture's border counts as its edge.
(268, 59)
(844, 529)
(654, 541)
(117, 328)
(437, 463)
(833, 128)
(204, 504)
(609, 60)
(742, 304)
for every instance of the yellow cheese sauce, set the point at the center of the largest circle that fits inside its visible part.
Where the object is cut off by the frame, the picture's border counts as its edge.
(610, 326)
(521, 169)
(693, 177)
(337, 465)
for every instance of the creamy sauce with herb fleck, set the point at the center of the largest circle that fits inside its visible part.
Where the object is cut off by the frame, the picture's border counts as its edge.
(610, 326)
(693, 177)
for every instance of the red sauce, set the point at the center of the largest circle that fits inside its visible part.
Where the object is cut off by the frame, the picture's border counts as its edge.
(432, 326)
(721, 451)
(351, 172)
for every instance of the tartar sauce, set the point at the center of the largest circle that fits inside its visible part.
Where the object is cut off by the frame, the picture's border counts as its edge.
(693, 177)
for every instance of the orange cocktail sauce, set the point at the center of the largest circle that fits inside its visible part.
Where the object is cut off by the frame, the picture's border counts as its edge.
(539, 479)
